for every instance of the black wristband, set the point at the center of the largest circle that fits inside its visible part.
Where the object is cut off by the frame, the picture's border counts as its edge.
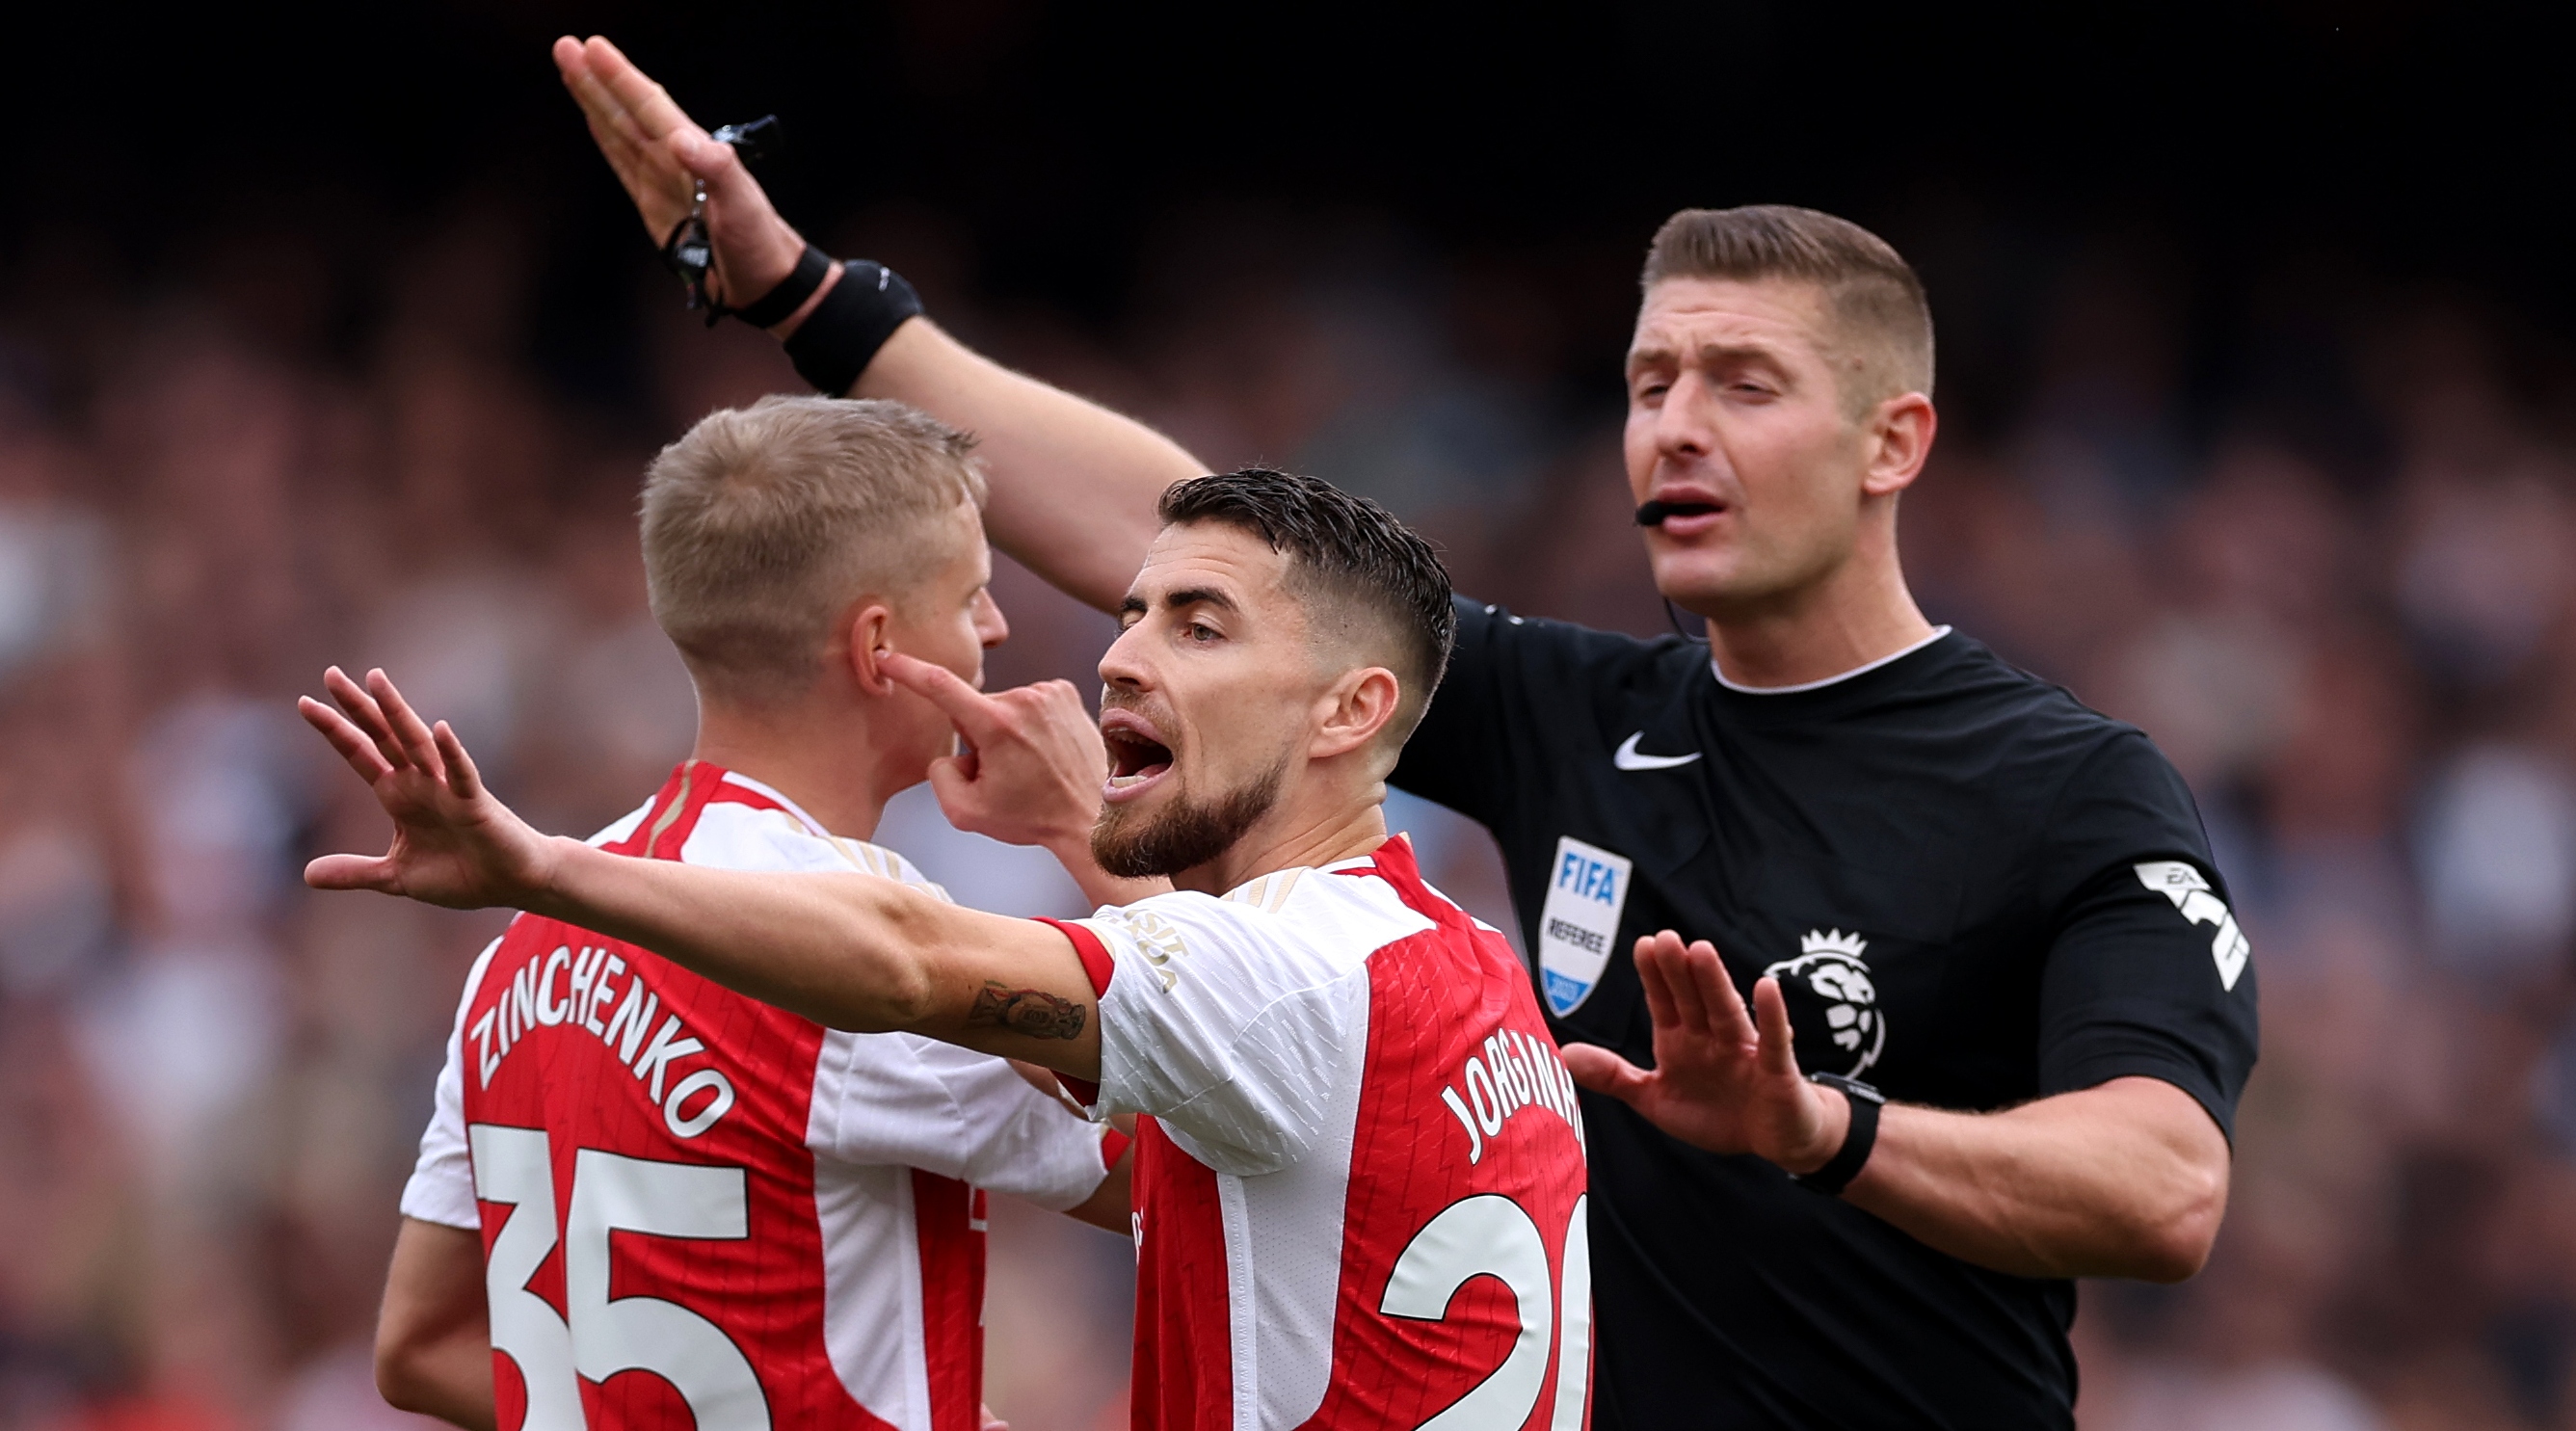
(791, 292)
(1858, 1138)
(838, 340)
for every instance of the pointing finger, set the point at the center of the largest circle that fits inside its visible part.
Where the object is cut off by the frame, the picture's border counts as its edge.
(976, 715)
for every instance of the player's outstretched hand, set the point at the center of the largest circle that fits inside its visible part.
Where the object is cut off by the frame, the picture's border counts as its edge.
(1722, 1080)
(454, 843)
(660, 153)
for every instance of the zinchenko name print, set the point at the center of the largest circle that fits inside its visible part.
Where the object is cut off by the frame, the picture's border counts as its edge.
(570, 990)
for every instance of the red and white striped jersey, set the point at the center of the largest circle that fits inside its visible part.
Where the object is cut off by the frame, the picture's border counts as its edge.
(699, 1211)
(1360, 1190)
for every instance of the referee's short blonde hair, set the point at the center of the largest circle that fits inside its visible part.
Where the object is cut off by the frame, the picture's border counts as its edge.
(1872, 296)
(762, 525)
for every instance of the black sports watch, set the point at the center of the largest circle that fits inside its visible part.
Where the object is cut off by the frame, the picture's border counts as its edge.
(1858, 1139)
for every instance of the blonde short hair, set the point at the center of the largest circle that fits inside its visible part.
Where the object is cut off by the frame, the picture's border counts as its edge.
(762, 525)
(1872, 295)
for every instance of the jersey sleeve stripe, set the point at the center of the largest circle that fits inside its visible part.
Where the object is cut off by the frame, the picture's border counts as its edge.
(1097, 966)
(1096, 962)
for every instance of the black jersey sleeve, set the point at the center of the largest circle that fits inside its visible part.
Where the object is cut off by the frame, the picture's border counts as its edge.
(1453, 756)
(1523, 697)
(2147, 972)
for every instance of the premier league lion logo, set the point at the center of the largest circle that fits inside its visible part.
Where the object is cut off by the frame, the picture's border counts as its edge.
(1833, 1004)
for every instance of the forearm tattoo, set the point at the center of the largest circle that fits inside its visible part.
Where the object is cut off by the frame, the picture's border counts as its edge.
(1034, 1012)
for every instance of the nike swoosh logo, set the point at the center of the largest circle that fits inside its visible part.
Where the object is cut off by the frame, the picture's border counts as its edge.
(1627, 758)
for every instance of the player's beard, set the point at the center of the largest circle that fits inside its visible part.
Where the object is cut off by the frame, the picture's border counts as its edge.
(1187, 833)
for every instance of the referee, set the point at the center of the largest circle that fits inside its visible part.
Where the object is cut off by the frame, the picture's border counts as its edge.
(2000, 1012)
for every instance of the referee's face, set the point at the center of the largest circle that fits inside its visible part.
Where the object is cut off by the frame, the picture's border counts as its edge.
(1736, 417)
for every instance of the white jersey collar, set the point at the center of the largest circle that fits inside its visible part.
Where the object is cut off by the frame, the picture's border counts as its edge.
(843, 844)
(812, 825)
(1937, 633)
(1355, 862)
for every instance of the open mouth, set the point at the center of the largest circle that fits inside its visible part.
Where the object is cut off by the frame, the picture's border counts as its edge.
(1657, 512)
(1136, 757)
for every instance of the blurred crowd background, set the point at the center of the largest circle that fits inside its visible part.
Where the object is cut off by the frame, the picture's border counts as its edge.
(2298, 499)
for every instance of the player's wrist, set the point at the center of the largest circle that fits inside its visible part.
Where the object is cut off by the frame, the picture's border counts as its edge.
(754, 266)
(1861, 1106)
(1825, 1133)
(546, 879)
(785, 328)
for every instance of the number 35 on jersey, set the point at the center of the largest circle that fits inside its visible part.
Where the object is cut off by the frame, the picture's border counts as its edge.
(603, 1335)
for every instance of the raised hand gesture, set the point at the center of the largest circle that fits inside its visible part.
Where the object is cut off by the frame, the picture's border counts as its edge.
(660, 155)
(1722, 1080)
(454, 844)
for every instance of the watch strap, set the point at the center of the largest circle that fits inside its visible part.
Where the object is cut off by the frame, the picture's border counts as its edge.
(790, 293)
(1858, 1139)
(838, 340)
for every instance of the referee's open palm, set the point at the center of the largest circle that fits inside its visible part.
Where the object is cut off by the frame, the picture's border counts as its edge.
(454, 843)
(1723, 1079)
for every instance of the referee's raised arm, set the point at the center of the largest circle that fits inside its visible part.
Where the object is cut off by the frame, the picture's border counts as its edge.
(1073, 485)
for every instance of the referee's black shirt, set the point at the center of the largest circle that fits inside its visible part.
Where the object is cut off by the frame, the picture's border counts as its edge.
(1976, 892)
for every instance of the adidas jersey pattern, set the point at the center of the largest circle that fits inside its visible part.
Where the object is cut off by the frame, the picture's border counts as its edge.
(1360, 1189)
(701, 1211)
